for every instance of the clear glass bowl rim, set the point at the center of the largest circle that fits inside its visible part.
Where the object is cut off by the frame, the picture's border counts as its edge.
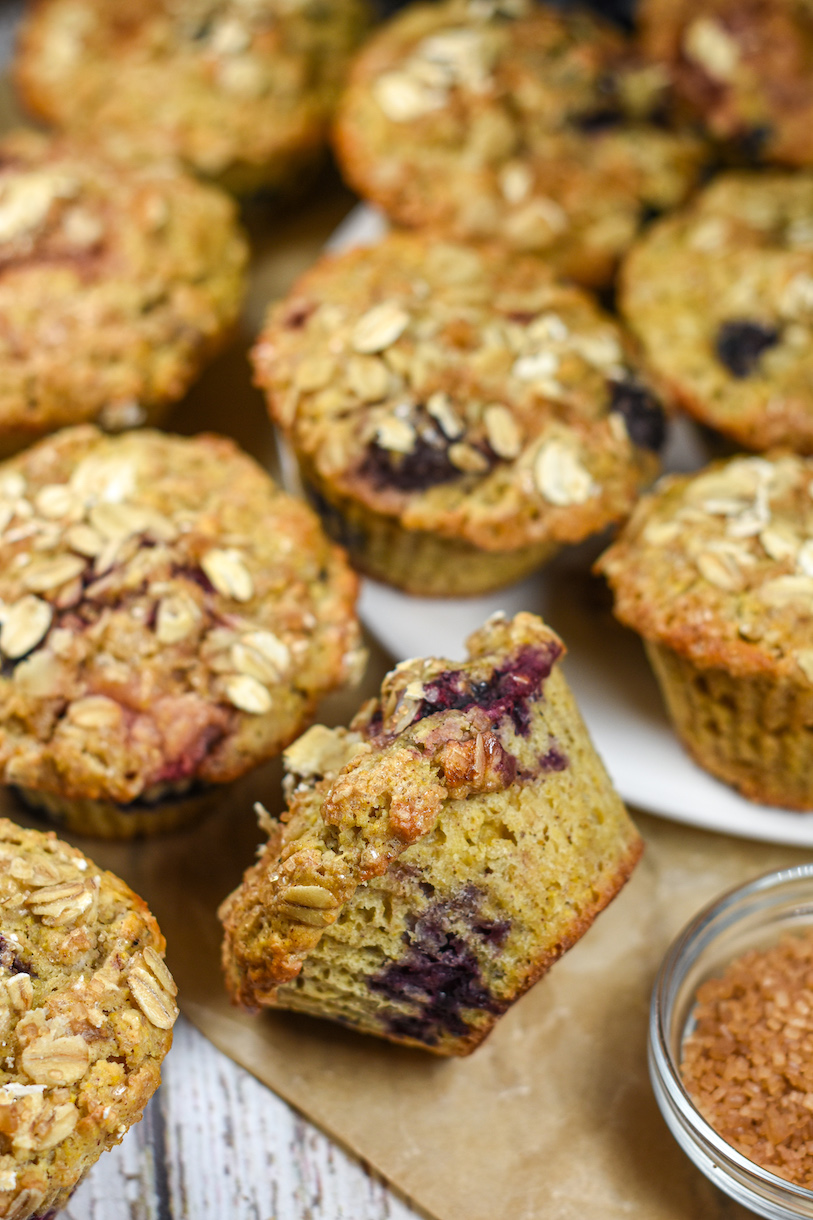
(750, 1184)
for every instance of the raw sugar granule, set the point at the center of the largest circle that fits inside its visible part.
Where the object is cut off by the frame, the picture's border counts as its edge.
(748, 1062)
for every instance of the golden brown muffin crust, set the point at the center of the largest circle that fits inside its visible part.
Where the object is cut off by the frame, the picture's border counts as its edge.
(86, 1013)
(721, 297)
(246, 87)
(168, 615)
(116, 286)
(744, 66)
(460, 391)
(463, 815)
(718, 566)
(513, 122)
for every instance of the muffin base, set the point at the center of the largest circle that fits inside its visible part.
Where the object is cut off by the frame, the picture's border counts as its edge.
(753, 733)
(417, 561)
(109, 820)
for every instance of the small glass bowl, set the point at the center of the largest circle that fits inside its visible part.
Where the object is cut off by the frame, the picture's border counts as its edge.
(754, 916)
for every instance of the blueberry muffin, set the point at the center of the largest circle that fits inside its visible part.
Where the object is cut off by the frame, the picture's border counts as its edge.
(168, 619)
(86, 1014)
(501, 119)
(116, 287)
(457, 413)
(720, 296)
(244, 88)
(715, 572)
(438, 856)
(744, 67)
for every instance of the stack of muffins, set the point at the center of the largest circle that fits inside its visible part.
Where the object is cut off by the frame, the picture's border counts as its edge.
(464, 399)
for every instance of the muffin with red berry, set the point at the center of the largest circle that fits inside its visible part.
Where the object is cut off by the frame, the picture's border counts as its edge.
(168, 620)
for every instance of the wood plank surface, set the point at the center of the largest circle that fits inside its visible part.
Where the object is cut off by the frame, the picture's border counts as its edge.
(215, 1144)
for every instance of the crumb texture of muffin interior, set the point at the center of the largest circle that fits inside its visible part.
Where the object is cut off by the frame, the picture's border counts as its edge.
(168, 615)
(517, 122)
(117, 285)
(715, 571)
(720, 295)
(246, 89)
(455, 393)
(87, 1006)
(437, 856)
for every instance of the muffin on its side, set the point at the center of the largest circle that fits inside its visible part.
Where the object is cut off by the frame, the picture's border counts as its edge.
(457, 413)
(87, 1007)
(745, 67)
(239, 92)
(168, 620)
(715, 571)
(439, 855)
(116, 287)
(721, 297)
(506, 120)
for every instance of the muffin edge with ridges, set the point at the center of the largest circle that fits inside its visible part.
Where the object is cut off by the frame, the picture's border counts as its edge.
(713, 571)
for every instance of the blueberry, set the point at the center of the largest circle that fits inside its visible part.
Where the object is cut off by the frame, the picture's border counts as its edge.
(740, 344)
(603, 118)
(439, 978)
(426, 466)
(641, 412)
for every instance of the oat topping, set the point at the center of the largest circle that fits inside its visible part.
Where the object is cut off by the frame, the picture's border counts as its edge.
(246, 88)
(731, 347)
(477, 376)
(531, 127)
(733, 546)
(139, 309)
(176, 589)
(79, 1052)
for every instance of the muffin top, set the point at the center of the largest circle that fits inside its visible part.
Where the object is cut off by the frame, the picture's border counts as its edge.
(168, 615)
(440, 732)
(744, 66)
(461, 391)
(721, 297)
(115, 285)
(86, 1013)
(718, 567)
(245, 86)
(501, 119)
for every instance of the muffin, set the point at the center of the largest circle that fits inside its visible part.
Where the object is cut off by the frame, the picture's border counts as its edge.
(439, 855)
(245, 89)
(457, 413)
(720, 296)
(169, 620)
(501, 119)
(116, 287)
(86, 1017)
(715, 572)
(745, 67)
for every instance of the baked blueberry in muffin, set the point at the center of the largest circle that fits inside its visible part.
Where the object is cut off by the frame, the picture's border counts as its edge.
(439, 855)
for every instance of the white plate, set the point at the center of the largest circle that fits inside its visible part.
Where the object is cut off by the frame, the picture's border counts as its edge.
(605, 665)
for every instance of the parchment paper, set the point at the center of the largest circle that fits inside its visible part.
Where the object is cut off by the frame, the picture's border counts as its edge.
(553, 1117)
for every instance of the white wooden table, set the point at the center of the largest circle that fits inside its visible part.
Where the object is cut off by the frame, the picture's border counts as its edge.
(215, 1144)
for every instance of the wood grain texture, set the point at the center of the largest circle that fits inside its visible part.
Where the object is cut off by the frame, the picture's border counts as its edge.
(215, 1144)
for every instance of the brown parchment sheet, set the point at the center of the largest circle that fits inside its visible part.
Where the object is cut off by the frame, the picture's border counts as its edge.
(553, 1117)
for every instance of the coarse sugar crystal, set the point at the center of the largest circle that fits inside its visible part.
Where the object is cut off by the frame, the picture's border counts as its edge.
(748, 1061)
